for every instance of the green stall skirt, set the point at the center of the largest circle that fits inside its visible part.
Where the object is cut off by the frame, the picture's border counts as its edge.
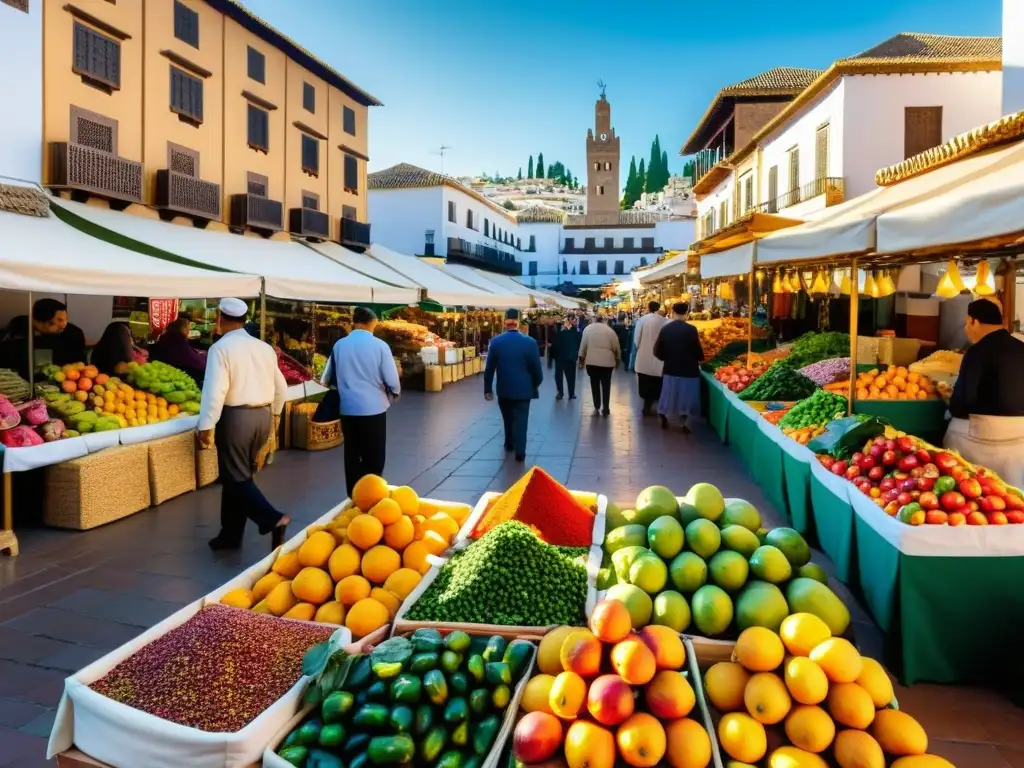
(768, 469)
(718, 407)
(922, 418)
(833, 519)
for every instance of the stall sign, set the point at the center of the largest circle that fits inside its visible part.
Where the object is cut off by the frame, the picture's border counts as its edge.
(161, 313)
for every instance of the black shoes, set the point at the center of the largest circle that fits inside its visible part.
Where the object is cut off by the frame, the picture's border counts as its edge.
(559, 396)
(572, 397)
(606, 412)
(217, 544)
(520, 457)
(664, 421)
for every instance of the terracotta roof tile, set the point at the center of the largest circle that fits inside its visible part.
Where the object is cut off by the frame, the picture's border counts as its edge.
(408, 176)
(774, 81)
(540, 214)
(914, 46)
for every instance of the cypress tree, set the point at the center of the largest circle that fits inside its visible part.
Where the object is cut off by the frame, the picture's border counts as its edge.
(664, 166)
(540, 166)
(529, 168)
(629, 191)
(641, 175)
(519, 176)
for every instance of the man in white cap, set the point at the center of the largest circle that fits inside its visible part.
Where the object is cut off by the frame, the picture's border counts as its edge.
(242, 392)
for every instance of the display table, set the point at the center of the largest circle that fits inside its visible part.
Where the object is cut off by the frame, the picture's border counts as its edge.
(947, 598)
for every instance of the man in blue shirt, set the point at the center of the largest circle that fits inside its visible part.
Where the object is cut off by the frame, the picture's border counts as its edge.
(364, 370)
(515, 357)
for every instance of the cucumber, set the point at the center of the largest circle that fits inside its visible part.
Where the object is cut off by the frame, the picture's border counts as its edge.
(361, 760)
(427, 640)
(401, 719)
(423, 662)
(479, 701)
(483, 735)
(476, 667)
(501, 696)
(450, 661)
(319, 758)
(498, 673)
(517, 656)
(296, 754)
(495, 649)
(332, 735)
(423, 720)
(435, 686)
(460, 736)
(406, 689)
(359, 674)
(457, 641)
(336, 706)
(371, 716)
(378, 691)
(474, 762)
(458, 683)
(308, 733)
(356, 744)
(451, 759)
(432, 744)
(456, 710)
(391, 750)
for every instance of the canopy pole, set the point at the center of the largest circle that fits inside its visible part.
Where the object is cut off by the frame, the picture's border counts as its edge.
(1009, 292)
(263, 309)
(750, 317)
(854, 319)
(31, 351)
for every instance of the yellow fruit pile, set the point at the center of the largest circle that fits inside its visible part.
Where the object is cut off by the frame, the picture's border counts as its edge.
(895, 383)
(132, 407)
(359, 568)
(820, 693)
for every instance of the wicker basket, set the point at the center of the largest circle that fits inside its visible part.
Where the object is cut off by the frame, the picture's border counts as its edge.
(270, 446)
(99, 488)
(309, 435)
(207, 470)
(867, 350)
(172, 467)
(432, 378)
(893, 351)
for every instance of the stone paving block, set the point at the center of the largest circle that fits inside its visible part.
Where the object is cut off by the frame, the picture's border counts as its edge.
(14, 714)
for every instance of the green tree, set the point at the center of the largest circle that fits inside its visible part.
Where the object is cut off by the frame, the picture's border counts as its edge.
(529, 168)
(567, 178)
(664, 166)
(540, 166)
(508, 205)
(519, 176)
(657, 178)
(631, 192)
(690, 170)
(641, 175)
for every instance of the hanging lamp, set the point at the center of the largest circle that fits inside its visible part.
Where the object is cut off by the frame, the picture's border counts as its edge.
(950, 284)
(845, 286)
(886, 286)
(777, 283)
(984, 282)
(870, 289)
(819, 287)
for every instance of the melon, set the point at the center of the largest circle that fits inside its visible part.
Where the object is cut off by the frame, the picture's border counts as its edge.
(707, 499)
(625, 536)
(806, 595)
(761, 604)
(654, 502)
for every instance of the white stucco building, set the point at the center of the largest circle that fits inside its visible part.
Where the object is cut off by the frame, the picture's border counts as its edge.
(823, 145)
(21, 91)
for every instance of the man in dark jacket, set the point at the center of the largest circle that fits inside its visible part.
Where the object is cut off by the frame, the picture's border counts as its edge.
(515, 358)
(55, 340)
(564, 351)
(678, 347)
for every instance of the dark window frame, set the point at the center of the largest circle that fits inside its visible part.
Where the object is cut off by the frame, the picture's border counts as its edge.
(256, 64)
(309, 144)
(188, 106)
(453, 215)
(647, 243)
(584, 267)
(258, 136)
(310, 200)
(821, 142)
(620, 267)
(309, 97)
(602, 267)
(85, 40)
(186, 24)
(351, 173)
(348, 120)
(255, 181)
(349, 212)
(914, 140)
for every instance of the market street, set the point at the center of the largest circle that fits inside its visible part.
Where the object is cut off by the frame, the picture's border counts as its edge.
(71, 597)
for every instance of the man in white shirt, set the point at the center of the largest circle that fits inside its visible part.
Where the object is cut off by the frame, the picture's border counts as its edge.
(364, 370)
(242, 392)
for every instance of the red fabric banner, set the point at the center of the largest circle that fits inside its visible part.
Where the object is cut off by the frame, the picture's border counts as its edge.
(161, 313)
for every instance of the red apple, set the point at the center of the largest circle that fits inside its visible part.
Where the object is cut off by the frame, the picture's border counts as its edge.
(923, 457)
(610, 700)
(931, 471)
(856, 458)
(1013, 501)
(852, 471)
(976, 518)
(997, 503)
(900, 476)
(887, 484)
(890, 445)
(957, 518)
(1015, 517)
(936, 517)
(925, 483)
(876, 473)
(997, 518)
(891, 495)
(905, 444)
(917, 472)
(908, 462)
(889, 458)
(904, 498)
(951, 501)
(876, 451)
(958, 473)
(839, 468)
(970, 488)
(908, 485)
(946, 461)
(928, 500)
(826, 461)
(972, 506)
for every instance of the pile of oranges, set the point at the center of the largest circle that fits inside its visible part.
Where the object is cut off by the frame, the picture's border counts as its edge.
(359, 568)
(895, 383)
(109, 396)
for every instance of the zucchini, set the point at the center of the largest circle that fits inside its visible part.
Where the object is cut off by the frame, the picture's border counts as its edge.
(435, 686)
(517, 656)
(319, 758)
(479, 701)
(460, 736)
(458, 683)
(484, 733)
(361, 698)
(450, 759)
(308, 733)
(296, 754)
(501, 696)
(475, 665)
(457, 641)
(498, 673)
(426, 641)
(359, 674)
(450, 661)
(361, 760)
(432, 744)
(423, 720)
(495, 649)
(456, 710)
(401, 719)
(336, 706)
(406, 689)
(385, 670)
(423, 662)
(473, 761)
(391, 750)
(378, 691)
(371, 716)
(356, 744)
(332, 735)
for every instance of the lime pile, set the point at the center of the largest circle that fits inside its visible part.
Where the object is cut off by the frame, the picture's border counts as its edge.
(707, 561)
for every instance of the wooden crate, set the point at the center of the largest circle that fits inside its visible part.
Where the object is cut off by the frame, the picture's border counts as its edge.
(309, 435)
(99, 488)
(172, 467)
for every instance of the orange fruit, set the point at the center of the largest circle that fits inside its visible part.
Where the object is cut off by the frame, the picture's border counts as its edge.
(351, 590)
(664, 642)
(641, 740)
(366, 616)
(435, 543)
(313, 585)
(633, 661)
(725, 683)
(399, 534)
(402, 582)
(387, 511)
(368, 490)
(287, 564)
(386, 599)
(568, 695)
(687, 744)
(610, 621)
(415, 557)
(344, 561)
(380, 562)
(407, 499)
(364, 531)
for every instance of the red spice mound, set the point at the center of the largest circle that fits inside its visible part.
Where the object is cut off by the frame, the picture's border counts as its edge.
(541, 502)
(217, 671)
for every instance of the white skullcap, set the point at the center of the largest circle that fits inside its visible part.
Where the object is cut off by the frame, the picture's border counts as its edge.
(235, 308)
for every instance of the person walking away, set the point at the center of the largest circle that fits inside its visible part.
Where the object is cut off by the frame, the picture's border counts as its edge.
(678, 347)
(515, 358)
(367, 380)
(242, 392)
(987, 404)
(565, 350)
(648, 367)
(599, 354)
(622, 331)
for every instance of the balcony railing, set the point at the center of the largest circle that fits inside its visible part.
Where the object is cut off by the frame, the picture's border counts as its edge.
(830, 186)
(256, 211)
(707, 159)
(307, 222)
(479, 255)
(599, 249)
(185, 194)
(355, 234)
(74, 166)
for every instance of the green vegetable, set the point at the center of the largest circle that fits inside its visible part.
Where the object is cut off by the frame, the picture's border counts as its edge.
(495, 648)
(517, 656)
(498, 672)
(427, 640)
(295, 754)
(423, 662)
(779, 383)
(406, 689)
(474, 762)
(456, 710)
(332, 735)
(357, 743)
(814, 347)
(318, 758)
(378, 691)
(843, 437)
(401, 719)
(484, 733)
(385, 670)
(336, 706)
(817, 410)
(435, 686)
(475, 665)
(397, 650)
(450, 759)
(450, 661)
(371, 716)
(458, 683)
(501, 696)
(360, 760)
(424, 719)
(460, 736)
(432, 744)
(480, 701)
(389, 750)
(308, 733)
(457, 641)
(359, 675)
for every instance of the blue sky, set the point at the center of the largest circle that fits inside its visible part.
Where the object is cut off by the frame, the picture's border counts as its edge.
(498, 81)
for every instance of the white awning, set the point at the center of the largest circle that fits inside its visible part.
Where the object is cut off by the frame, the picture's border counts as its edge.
(291, 271)
(988, 202)
(44, 254)
(503, 296)
(670, 267)
(540, 298)
(392, 288)
(735, 261)
(849, 228)
(440, 286)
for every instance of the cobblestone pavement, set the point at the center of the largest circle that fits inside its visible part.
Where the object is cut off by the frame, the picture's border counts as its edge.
(71, 597)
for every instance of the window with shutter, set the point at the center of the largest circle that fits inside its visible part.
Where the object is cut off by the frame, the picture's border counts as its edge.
(451, 211)
(310, 155)
(589, 243)
(348, 120)
(183, 160)
(794, 170)
(821, 153)
(259, 128)
(602, 267)
(186, 24)
(609, 242)
(311, 200)
(97, 58)
(643, 261)
(620, 267)
(257, 184)
(186, 96)
(533, 242)
(627, 242)
(533, 267)
(647, 243)
(723, 214)
(94, 131)
(256, 64)
(773, 188)
(922, 129)
(748, 192)
(584, 267)
(351, 175)
(469, 219)
(308, 97)
(487, 227)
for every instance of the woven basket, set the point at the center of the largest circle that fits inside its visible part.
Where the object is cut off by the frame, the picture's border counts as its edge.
(270, 446)
(207, 470)
(309, 435)
(99, 488)
(867, 350)
(893, 351)
(172, 467)
(432, 378)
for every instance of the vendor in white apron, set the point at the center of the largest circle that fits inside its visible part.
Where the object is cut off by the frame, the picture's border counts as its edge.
(987, 404)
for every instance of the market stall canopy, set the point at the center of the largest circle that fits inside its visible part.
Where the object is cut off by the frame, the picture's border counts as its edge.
(502, 296)
(738, 260)
(290, 271)
(539, 298)
(439, 285)
(44, 254)
(985, 208)
(393, 288)
(745, 229)
(670, 267)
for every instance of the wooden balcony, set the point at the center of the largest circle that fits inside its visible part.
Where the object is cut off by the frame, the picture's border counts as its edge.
(354, 234)
(84, 169)
(307, 222)
(257, 212)
(187, 195)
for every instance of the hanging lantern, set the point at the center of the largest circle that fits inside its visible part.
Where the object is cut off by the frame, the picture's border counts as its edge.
(819, 287)
(984, 282)
(950, 284)
(954, 273)
(833, 286)
(870, 289)
(777, 283)
(886, 286)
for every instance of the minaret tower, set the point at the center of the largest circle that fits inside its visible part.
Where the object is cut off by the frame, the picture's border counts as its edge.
(602, 166)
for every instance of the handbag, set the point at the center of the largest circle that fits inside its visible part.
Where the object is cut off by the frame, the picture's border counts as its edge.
(329, 408)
